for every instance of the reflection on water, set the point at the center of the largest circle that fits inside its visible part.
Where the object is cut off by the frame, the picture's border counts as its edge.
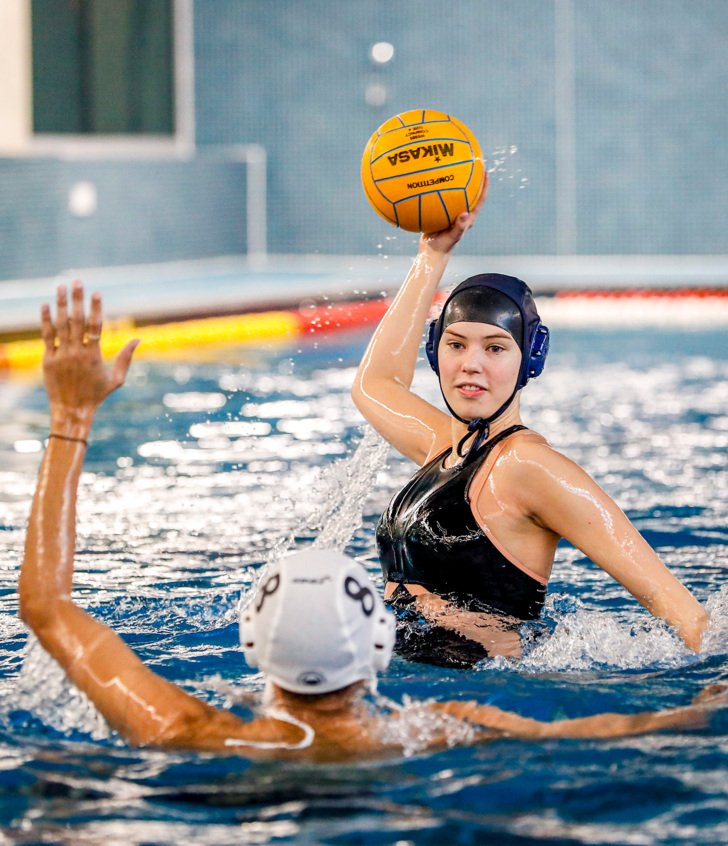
(197, 472)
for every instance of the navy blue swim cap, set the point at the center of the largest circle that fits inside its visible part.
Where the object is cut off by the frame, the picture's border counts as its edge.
(503, 301)
(477, 304)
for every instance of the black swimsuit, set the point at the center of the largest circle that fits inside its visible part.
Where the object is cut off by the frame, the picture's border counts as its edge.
(429, 536)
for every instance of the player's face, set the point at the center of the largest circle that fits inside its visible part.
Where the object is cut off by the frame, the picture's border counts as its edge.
(479, 366)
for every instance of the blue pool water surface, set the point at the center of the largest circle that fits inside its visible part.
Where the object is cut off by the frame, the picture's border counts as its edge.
(196, 470)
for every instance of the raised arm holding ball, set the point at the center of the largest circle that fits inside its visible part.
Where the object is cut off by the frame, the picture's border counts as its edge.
(470, 541)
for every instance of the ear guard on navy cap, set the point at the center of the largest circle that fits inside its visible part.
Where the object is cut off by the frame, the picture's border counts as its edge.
(536, 356)
(431, 346)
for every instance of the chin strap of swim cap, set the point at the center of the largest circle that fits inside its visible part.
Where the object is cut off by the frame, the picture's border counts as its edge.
(478, 429)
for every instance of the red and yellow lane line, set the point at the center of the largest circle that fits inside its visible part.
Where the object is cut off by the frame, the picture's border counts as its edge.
(719, 294)
(176, 339)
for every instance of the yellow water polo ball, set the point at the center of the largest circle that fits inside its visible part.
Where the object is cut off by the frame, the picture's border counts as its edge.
(421, 169)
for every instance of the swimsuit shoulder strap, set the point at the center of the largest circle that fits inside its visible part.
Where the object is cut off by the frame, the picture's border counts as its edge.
(501, 436)
(477, 480)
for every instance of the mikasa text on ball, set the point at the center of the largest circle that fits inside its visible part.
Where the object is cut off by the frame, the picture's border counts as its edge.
(421, 169)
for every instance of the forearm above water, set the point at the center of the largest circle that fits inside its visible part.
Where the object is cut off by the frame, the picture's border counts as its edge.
(47, 571)
(602, 726)
(392, 352)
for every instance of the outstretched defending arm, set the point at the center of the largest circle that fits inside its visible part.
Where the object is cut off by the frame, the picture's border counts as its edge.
(140, 705)
(505, 723)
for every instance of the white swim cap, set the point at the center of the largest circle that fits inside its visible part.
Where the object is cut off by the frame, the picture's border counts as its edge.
(317, 624)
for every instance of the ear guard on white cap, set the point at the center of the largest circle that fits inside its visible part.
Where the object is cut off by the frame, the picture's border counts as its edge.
(248, 633)
(317, 624)
(247, 638)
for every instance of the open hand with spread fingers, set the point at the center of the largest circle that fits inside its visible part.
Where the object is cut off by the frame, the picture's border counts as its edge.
(76, 379)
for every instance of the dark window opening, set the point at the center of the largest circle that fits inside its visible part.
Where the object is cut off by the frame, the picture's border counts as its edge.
(103, 67)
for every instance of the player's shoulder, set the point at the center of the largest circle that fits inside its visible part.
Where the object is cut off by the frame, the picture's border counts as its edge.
(533, 450)
(526, 442)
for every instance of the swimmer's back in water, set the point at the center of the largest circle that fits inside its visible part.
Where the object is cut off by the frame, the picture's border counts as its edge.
(481, 519)
(316, 626)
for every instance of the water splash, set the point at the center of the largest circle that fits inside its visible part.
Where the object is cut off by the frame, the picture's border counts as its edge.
(44, 690)
(502, 170)
(587, 639)
(715, 639)
(343, 490)
(339, 493)
(417, 727)
(499, 157)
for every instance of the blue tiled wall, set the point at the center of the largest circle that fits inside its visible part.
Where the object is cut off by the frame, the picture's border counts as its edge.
(652, 126)
(147, 211)
(181, 209)
(650, 118)
(650, 133)
(292, 75)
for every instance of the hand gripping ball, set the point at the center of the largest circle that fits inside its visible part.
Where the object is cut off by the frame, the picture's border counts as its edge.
(421, 169)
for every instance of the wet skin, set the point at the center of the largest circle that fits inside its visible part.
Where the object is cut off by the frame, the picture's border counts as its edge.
(148, 710)
(527, 495)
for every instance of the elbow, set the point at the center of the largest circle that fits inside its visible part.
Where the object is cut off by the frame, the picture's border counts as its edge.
(46, 621)
(362, 398)
(357, 386)
(372, 392)
(39, 596)
(357, 394)
(30, 611)
(38, 613)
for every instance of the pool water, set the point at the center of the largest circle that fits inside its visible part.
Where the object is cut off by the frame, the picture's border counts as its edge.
(196, 471)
